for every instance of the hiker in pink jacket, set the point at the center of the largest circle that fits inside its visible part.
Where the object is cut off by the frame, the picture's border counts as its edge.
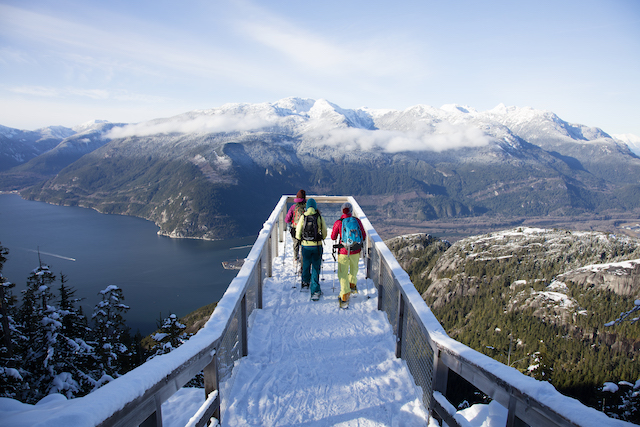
(293, 215)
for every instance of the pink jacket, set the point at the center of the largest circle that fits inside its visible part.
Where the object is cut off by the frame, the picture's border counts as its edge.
(289, 218)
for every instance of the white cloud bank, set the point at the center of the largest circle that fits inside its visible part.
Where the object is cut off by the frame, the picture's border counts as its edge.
(198, 125)
(440, 137)
(444, 137)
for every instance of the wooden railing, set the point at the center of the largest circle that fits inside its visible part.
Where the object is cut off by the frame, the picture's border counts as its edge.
(421, 341)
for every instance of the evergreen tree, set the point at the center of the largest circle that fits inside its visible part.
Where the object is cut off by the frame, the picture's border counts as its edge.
(71, 363)
(629, 407)
(33, 344)
(11, 375)
(74, 322)
(170, 335)
(110, 332)
(542, 368)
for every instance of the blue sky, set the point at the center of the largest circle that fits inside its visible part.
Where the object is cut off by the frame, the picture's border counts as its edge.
(70, 61)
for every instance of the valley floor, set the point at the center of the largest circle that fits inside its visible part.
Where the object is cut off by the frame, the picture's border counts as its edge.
(454, 229)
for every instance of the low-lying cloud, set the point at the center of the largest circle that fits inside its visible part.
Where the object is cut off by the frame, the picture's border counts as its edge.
(200, 124)
(444, 136)
(440, 137)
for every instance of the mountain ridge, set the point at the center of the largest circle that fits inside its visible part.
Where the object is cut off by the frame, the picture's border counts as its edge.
(451, 162)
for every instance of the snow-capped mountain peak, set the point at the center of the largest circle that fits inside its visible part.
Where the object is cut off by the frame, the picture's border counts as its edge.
(294, 105)
(57, 132)
(458, 109)
(92, 124)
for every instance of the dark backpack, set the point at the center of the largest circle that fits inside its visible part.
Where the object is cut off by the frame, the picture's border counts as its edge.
(311, 228)
(351, 235)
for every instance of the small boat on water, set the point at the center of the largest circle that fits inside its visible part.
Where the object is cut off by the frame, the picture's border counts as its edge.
(233, 265)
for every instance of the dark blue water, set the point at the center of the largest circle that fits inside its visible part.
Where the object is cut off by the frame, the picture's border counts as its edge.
(158, 275)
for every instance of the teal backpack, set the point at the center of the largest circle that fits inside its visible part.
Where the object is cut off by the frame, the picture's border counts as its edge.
(350, 235)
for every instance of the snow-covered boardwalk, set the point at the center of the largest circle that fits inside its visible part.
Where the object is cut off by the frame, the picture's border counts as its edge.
(314, 364)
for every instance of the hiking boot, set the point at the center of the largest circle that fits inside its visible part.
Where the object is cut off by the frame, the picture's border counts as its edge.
(343, 304)
(304, 285)
(354, 289)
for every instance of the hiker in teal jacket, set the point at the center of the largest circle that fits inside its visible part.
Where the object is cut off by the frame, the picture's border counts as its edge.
(311, 238)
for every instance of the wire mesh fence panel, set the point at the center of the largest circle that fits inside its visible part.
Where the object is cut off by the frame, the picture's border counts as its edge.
(418, 354)
(389, 296)
(229, 350)
(252, 290)
(375, 266)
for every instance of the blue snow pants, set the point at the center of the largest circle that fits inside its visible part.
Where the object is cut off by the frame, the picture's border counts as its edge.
(311, 262)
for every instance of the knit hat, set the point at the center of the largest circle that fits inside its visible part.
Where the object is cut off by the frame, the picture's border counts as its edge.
(301, 194)
(347, 208)
(311, 203)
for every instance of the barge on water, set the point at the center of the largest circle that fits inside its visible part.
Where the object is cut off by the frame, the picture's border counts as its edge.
(233, 265)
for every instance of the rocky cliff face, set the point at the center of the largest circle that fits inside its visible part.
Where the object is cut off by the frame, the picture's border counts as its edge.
(536, 256)
(623, 278)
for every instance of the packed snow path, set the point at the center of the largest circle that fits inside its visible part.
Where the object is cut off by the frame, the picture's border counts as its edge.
(314, 364)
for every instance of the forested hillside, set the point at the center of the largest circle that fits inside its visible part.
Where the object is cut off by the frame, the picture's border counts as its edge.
(520, 297)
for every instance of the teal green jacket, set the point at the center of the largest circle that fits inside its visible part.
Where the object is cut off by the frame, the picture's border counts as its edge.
(323, 229)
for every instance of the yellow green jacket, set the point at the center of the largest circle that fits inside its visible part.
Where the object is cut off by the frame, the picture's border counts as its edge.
(321, 223)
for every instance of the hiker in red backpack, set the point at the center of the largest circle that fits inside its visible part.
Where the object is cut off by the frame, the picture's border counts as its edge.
(293, 215)
(351, 233)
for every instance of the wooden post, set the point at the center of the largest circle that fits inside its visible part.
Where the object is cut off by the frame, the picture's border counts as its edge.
(379, 284)
(260, 283)
(281, 224)
(400, 322)
(211, 384)
(268, 257)
(158, 411)
(440, 373)
(511, 415)
(243, 325)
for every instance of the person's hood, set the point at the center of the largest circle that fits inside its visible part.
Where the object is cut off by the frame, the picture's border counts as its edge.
(311, 203)
(298, 200)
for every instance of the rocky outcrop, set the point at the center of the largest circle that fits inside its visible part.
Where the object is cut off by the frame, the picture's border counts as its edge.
(623, 278)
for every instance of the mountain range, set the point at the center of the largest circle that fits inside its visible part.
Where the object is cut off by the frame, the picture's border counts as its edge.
(217, 173)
